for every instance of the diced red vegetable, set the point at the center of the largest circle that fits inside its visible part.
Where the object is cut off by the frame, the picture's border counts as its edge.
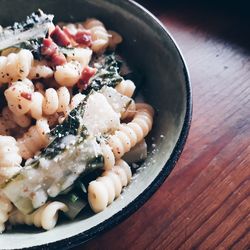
(59, 37)
(67, 32)
(50, 51)
(82, 37)
(48, 47)
(58, 59)
(26, 95)
(87, 73)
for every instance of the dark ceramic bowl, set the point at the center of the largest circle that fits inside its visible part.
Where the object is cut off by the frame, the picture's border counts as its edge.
(150, 50)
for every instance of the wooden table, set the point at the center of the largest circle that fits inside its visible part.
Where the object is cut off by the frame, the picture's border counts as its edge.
(205, 202)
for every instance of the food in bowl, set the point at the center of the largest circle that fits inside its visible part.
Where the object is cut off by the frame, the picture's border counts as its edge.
(68, 120)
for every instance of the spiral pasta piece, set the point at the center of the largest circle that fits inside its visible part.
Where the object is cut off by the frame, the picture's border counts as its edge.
(56, 101)
(129, 134)
(60, 117)
(109, 158)
(15, 66)
(19, 96)
(68, 74)
(76, 100)
(126, 87)
(81, 55)
(108, 187)
(46, 216)
(129, 112)
(34, 139)
(40, 70)
(10, 158)
(5, 208)
(52, 102)
(22, 99)
(99, 35)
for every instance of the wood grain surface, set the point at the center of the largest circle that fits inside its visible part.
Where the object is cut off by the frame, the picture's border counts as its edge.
(205, 202)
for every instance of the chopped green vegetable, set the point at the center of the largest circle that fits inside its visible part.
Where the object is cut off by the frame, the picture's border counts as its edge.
(75, 202)
(107, 74)
(34, 45)
(71, 126)
(26, 34)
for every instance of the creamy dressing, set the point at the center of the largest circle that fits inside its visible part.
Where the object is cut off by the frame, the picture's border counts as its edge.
(35, 185)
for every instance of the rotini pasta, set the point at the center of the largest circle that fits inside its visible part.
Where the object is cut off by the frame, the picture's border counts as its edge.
(68, 74)
(46, 216)
(109, 158)
(5, 208)
(99, 35)
(22, 99)
(106, 188)
(76, 99)
(18, 96)
(129, 134)
(56, 101)
(126, 87)
(40, 70)
(53, 101)
(34, 139)
(129, 113)
(81, 55)
(15, 66)
(10, 158)
(67, 111)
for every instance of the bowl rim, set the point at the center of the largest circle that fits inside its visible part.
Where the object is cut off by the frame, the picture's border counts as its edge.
(133, 206)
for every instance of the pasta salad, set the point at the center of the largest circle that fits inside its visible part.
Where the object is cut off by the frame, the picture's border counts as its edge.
(69, 127)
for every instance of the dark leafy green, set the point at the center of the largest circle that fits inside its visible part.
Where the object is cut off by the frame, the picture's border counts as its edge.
(107, 74)
(34, 45)
(70, 126)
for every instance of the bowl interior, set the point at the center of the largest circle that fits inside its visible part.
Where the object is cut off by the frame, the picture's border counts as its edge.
(150, 51)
